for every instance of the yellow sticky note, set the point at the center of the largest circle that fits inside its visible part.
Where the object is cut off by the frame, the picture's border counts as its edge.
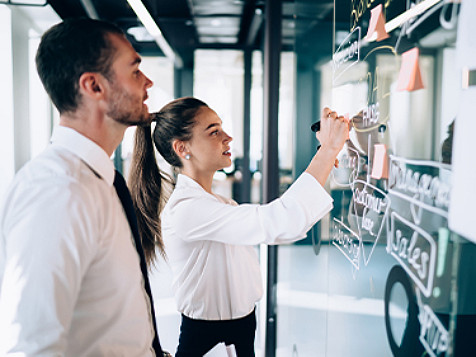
(377, 24)
(409, 78)
(380, 162)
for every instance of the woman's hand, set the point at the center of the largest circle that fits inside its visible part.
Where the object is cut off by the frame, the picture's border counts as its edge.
(332, 135)
(334, 131)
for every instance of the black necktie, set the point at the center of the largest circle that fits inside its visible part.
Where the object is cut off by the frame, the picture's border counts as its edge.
(126, 200)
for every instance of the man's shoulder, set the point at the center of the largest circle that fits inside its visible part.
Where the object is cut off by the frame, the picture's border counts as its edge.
(53, 183)
(55, 164)
(54, 172)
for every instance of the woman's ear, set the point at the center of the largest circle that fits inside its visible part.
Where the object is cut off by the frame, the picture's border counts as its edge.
(180, 148)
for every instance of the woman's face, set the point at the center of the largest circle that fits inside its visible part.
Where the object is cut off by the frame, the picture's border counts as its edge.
(209, 147)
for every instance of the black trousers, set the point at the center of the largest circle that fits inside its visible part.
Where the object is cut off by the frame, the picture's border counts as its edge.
(197, 337)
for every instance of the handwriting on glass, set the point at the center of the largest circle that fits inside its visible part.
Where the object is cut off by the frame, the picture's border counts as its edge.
(420, 186)
(433, 334)
(414, 249)
(346, 241)
(348, 53)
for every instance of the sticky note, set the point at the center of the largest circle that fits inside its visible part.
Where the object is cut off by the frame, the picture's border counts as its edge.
(377, 24)
(380, 162)
(409, 78)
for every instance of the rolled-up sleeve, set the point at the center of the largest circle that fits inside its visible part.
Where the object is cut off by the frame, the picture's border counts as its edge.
(201, 216)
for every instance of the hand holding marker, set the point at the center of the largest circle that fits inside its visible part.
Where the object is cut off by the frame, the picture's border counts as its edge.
(317, 127)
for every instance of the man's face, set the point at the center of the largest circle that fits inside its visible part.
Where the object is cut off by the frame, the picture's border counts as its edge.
(128, 86)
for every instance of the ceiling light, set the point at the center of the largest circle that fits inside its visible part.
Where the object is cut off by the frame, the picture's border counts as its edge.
(89, 8)
(154, 31)
(215, 22)
(140, 34)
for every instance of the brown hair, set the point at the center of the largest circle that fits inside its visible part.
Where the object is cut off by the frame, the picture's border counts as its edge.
(69, 49)
(174, 121)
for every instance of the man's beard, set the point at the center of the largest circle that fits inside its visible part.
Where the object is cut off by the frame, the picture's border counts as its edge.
(123, 108)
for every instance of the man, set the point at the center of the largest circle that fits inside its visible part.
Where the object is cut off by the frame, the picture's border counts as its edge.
(70, 275)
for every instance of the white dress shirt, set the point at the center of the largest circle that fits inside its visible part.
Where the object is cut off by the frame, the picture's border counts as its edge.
(70, 280)
(209, 243)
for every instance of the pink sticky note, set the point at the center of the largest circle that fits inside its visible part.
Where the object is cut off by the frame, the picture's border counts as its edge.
(377, 24)
(409, 78)
(380, 163)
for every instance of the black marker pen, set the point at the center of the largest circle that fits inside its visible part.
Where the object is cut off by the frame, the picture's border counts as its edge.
(315, 128)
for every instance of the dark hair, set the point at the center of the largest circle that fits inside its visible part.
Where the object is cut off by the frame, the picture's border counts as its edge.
(174, 121)
(69, 49)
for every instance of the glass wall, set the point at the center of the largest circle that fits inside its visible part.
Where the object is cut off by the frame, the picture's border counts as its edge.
(384, 275)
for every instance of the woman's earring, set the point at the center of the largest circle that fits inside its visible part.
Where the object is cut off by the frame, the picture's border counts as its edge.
(187, 157)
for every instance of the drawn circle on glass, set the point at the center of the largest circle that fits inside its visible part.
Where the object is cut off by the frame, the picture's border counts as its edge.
(398, 312)
(409, 342)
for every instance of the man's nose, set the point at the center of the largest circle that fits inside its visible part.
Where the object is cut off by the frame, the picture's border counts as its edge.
(149, 82)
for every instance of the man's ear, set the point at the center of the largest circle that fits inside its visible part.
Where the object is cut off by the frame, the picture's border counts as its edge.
(91, 84)
(180, 148)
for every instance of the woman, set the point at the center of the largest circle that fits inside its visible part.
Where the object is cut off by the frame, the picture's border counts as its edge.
(209, 239)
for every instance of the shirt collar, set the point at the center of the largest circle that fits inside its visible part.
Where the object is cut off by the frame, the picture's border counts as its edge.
(87, 150)
(185, 181)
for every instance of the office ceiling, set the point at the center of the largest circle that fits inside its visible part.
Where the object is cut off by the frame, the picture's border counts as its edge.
(308, 26)
(192, 24)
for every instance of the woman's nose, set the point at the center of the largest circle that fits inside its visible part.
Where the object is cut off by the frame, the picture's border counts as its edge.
(228, 138)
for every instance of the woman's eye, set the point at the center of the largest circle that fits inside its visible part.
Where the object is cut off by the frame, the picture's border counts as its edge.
(214, 132)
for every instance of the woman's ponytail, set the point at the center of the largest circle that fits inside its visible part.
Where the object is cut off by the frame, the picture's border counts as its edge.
(174, 121)
(145, 183)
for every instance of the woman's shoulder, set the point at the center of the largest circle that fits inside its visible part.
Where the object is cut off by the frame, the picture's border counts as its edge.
(226, 200)
(184, 193)
(192, 195)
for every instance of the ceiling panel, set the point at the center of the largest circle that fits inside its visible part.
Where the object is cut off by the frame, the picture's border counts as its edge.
(217, 26)
(217, 7)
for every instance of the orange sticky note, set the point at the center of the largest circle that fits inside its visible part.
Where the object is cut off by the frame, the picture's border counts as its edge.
(409, 77)
(380, 163)
(377, 24)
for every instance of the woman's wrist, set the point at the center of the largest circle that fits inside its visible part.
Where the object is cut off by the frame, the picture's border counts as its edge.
(322, 163)
(329, 151)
